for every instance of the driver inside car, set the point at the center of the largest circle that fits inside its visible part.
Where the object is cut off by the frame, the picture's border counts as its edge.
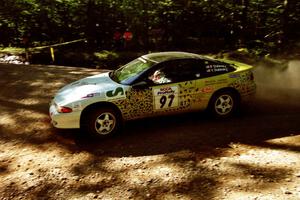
(159, 77)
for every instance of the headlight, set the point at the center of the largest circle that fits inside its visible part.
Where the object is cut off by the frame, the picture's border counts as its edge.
(63, 109)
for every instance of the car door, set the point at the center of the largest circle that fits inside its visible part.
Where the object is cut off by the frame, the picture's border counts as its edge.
(149, 97)
(178, 90)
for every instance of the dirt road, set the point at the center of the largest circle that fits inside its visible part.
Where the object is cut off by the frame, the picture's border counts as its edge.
(255, 156)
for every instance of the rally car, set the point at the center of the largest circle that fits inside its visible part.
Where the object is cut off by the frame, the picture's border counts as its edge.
(152, 85)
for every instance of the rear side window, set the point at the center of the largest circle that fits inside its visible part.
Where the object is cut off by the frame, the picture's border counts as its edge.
(213, 68)
(183, 69)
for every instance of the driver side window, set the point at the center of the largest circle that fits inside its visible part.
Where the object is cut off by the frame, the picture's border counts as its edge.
(159, 77)
(174, 71)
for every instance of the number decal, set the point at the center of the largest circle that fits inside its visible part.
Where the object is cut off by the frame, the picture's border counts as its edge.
(165, 97)
(171, 97)
(163, 100)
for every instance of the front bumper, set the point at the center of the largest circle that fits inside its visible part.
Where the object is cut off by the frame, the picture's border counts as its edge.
(64, 120)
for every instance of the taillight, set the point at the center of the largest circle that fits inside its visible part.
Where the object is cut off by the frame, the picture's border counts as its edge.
(63, 109)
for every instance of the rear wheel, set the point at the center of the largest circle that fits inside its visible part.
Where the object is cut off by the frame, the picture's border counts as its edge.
(102, 122)
(224, 104)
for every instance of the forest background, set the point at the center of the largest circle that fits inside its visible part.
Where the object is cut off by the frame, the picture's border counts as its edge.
(262, 27)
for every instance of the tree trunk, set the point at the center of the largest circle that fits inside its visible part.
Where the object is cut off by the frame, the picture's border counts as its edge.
(145, 25)
(91, 25)
(244, 21)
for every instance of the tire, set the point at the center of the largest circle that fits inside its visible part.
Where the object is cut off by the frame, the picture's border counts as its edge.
(224, 104)
(102, 122)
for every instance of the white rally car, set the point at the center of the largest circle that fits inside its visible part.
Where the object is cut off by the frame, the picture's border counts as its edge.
(152, 85)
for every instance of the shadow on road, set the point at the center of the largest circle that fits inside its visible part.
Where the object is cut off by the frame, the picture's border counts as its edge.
(191, 131)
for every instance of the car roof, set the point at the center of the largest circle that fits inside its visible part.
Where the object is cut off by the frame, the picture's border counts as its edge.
(169, 55)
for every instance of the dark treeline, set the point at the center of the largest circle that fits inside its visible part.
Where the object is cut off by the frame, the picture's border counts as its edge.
(155, 24)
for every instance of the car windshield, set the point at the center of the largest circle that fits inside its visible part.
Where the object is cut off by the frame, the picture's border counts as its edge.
(130, 71)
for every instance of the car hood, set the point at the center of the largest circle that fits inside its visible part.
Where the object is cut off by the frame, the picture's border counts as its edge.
(87, 87)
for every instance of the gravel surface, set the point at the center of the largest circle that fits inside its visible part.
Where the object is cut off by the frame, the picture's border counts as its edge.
(254, 156)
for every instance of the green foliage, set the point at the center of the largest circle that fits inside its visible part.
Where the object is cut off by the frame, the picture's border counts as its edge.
(156, 24)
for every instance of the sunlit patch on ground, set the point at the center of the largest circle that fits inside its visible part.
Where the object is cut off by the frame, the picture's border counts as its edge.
(6, 119)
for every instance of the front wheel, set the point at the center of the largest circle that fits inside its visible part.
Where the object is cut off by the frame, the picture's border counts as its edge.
(223, 104)
(102, 122)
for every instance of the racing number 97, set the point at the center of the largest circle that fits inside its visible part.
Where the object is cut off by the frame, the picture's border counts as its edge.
(163, 100)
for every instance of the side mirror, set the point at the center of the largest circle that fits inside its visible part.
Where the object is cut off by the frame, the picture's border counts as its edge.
(140, 85)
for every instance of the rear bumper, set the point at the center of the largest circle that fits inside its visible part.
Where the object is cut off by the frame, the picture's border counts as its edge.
(249, 92)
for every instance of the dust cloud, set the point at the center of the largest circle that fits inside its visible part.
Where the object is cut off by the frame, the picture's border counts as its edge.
(279, 85)
(287, 76)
